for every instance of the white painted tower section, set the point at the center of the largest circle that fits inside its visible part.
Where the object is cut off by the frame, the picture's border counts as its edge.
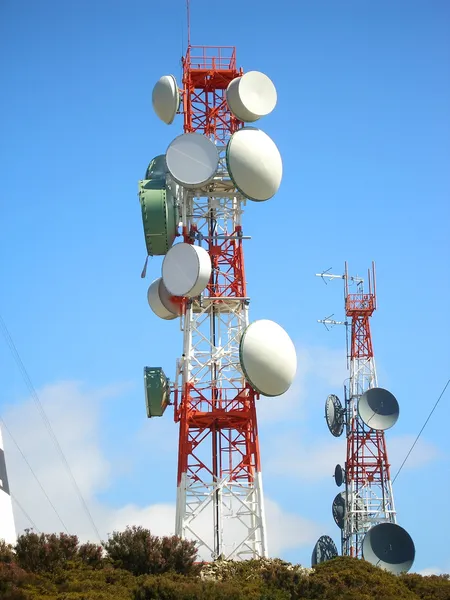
(7, 526)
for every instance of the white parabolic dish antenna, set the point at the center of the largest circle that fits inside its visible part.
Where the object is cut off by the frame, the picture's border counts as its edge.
(166, 98)
(159, 300)
(186, 270)
(254, 164)
(268, 358)
(192, 159)
(389, 547)
(251, 96)
(378, 408)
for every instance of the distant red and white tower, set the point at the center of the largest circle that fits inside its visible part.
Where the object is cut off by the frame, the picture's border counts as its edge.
(365, 512)
(209, 173)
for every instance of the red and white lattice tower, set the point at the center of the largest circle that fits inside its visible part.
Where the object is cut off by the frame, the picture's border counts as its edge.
(367, 466)
(219, 494)
(196, 192)
(365, 512)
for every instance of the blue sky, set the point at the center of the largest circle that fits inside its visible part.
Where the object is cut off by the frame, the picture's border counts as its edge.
(363, 126)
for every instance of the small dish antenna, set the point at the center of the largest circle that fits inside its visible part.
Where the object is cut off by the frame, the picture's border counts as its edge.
(325, 549)
(334, 415)
(186, 270)
(166, 98)
(251, 96)
(390, 547)
(338, 509)
(378, 408)
(160, 301)
(339, 475)
(192, 159)
(268, 357)
(254, 163)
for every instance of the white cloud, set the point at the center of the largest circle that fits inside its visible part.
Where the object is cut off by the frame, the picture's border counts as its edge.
(75, 414)
(430, 571)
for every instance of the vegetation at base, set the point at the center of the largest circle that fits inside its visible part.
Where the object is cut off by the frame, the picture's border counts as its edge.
(135, 565)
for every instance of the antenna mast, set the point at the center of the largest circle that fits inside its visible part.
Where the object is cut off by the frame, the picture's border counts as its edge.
(197, 192)
(365, 511)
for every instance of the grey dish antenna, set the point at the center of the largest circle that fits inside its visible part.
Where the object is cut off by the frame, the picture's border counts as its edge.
(338, 510)
(334, 415)
(339, 475)
(378, 408)
(325, 549)
(390, 547)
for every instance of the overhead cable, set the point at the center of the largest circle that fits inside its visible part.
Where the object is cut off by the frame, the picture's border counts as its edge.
(423, 427)
(47, 423)
(34, 475)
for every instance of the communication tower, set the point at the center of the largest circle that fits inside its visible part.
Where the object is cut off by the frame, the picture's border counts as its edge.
(195, 195)
(7, 527)
(365, 510)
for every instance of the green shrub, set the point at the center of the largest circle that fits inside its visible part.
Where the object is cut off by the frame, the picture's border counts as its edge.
(91, 555)
(142, 553)
(7, 554)
(37, 553)
(11, 577)
(433, 587)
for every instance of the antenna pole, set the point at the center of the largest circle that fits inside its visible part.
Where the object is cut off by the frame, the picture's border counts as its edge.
(369, 497)
(188, 10)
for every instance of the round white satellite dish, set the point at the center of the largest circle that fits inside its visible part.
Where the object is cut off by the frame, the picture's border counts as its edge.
(251, 96)
(192, 159)
(166, 98)
(378, 408)
(268, 358)
(159, 300)
(254, 164)
(186, 270)
(390, 547)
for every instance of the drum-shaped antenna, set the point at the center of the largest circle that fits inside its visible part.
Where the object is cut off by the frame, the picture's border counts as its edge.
(159, 300)
(378, 408)
(192, 159)
(159, 216)
(157, 169)
(334, 415)
(251, 96)
(325, 549)
(254, 164)
(339, 475)
(338, 509)
(268, 358)
(166, 98)
(186, 270)
(390, 547)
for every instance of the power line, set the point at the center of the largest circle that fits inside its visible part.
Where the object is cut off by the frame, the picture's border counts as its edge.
(418, 435)
(32, 523)
(47, 423)
(34, 475)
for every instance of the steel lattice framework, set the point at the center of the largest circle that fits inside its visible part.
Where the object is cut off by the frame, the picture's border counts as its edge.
(368, 484)
(219, 487)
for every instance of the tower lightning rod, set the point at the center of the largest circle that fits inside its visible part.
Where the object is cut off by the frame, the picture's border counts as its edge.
(188, 10)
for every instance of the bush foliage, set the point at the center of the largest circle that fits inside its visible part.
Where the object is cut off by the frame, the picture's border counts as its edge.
(142, 553)
(140, 566)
